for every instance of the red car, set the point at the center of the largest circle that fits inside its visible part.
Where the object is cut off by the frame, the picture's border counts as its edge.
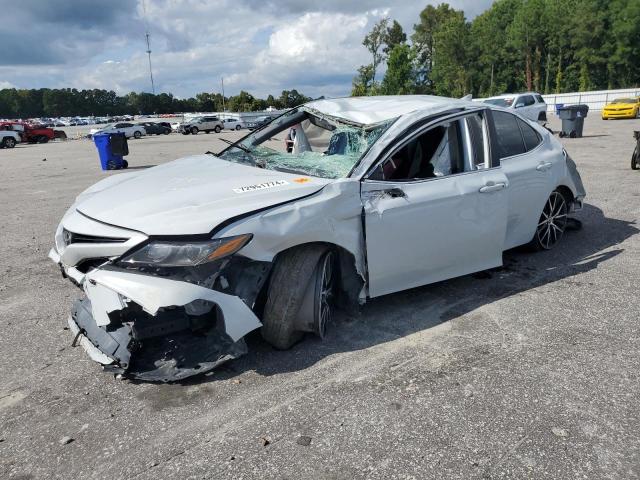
(30, 133)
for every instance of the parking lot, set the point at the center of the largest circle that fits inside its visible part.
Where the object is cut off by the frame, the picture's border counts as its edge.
(528, 371)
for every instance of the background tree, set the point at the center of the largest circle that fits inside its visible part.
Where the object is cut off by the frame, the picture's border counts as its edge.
(394, 36)
(374, 42)
(399, 77)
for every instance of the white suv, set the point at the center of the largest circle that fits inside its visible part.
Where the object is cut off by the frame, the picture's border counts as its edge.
(529, 104)
(204, 124)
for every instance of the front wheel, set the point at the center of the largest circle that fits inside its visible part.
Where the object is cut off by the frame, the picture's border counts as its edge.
(194, 130)
(552, 223)
(43, 139)
(217, 129)
(9, 142)
(237, 127)
(137, 134)
(299, 273)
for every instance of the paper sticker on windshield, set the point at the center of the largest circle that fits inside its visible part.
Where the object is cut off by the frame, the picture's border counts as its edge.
(260, 186)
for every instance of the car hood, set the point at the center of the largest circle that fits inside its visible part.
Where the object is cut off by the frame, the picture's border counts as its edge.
(620, 105)
(190, 196)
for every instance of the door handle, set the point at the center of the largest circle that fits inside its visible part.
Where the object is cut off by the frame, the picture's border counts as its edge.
(493, 187)
(394, 192)
(544, 166)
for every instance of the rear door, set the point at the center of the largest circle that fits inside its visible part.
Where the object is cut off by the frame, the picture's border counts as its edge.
(528, 167)
(435, 207)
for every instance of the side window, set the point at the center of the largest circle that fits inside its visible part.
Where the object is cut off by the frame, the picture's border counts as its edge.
(474, 125)
(528, 100)
(443, 150)
(508, 137)
(540, 99)
(531, 138)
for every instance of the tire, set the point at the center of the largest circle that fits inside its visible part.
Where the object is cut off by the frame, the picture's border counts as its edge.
(217, 129)
(112, 165)
(43, 139)
(542, 117)
(9, 142)
(167, 132)
(552, 223)
(635, 162)
(194, 130)
(291, 276)
(125, 164)
(137, 134)
(185, 132)
(237, 127)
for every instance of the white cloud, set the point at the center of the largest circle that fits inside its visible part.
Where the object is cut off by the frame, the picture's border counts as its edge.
(262, 46)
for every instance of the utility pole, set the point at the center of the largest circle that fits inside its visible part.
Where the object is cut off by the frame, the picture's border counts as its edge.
(153, 87)
(146, 26)
(222, 82)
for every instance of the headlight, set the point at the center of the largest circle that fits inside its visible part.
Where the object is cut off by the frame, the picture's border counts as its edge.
(185, 254)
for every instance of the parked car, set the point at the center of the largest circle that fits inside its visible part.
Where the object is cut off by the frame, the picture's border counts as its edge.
(30, 133)
(530, 105)
(129, 129)
(233, 124)
(9, 138)
(205, 124)
(622, 108)
(259, 122)
(179, 262)
(155, 128)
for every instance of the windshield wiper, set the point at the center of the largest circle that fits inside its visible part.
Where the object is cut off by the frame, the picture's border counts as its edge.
(237, 145)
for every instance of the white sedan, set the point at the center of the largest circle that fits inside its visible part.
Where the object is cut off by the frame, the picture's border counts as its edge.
(179, 262)
(129, 129)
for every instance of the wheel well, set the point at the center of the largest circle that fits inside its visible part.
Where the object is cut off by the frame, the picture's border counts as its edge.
(566, 193)
(350, 281)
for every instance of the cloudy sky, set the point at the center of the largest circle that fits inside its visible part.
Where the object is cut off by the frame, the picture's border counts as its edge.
(263, 46)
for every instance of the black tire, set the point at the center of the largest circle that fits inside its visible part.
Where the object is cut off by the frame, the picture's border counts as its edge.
(237, 127)
(552, 223)
(194, 130)
(542, 117)
(9, 142)
(217, 129)
(635, 163)
(185, 132)
(112, 165)
(561, 134)
(167, 131)
(207, 132)
(290, 279)
(137, 134)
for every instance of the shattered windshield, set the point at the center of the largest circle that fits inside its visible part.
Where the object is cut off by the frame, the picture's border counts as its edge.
(307, 143)
(500, 102)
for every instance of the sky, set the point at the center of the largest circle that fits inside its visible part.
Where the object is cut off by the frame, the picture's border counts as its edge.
(262, 46)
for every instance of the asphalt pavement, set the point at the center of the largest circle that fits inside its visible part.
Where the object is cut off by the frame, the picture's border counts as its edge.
(528, 371)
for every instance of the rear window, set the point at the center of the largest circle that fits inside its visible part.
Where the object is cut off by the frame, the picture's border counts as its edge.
(531, 138)
(508, 136)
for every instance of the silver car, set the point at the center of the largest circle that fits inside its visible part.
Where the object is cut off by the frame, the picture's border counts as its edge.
(179, 262)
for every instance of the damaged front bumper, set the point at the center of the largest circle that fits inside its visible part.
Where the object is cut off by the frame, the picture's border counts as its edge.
(157, 329)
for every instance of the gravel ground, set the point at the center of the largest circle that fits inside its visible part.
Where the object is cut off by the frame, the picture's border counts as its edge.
(530, 371)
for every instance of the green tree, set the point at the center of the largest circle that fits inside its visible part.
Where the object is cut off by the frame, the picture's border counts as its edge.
(374, 42)
(394, 36)
(451, 56)
(399, 78)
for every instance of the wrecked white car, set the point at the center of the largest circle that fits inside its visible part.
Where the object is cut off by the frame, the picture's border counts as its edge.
(181, 261)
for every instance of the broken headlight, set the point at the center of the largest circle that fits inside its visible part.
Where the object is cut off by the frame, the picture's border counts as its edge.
(160, 253)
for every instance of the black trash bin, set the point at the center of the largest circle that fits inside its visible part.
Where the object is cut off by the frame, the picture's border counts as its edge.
(572, 117)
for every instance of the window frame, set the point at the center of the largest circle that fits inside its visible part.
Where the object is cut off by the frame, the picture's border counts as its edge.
(494, 138)
(425, 127)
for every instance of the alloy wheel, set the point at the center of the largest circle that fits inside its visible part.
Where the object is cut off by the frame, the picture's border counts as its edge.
(553, 221)
(324, 292)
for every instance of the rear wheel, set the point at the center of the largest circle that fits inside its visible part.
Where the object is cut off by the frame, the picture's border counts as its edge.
(237, 127)
(552, 223)
(9, 142)
(297, 271)
(137, 134)
(217, 129)
(194, 130)
(43, 139)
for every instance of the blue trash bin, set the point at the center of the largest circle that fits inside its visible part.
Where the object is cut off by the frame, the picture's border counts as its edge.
(108, 159)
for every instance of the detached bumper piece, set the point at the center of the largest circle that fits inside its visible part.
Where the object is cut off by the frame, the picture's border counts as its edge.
(167, 347)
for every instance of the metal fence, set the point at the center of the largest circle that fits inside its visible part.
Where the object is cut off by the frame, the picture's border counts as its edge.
(595, 99)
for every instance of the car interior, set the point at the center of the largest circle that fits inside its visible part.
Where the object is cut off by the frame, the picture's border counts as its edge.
(440, 151)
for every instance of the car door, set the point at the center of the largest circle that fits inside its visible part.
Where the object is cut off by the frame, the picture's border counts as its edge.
(434, 207)
(528, 167)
